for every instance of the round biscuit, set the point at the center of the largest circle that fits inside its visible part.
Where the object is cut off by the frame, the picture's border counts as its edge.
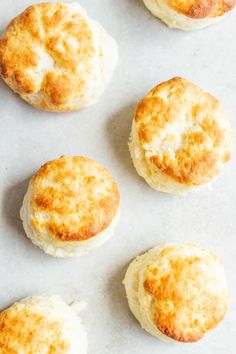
(57, 58)
(180, 138)
(177, 292)
(71, 206)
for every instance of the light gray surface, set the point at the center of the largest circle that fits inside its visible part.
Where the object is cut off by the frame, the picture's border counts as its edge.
(149, 53)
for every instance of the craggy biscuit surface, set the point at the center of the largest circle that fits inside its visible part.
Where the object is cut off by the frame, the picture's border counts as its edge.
(201, 8)
(41, 325)
(56, 58)
(177, 292)
(70, 201)
(189, 14)
(181, 136)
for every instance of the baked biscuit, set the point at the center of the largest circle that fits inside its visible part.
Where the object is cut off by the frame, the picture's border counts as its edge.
(71, 206)
(189, 14)
(180, 137)
(41, 324)
(177, 292)
(56, 58)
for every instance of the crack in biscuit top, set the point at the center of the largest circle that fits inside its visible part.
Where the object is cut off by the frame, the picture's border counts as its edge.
(183, 132)
(49, 48)
(198, 9)
(188, 290)
(73, 199)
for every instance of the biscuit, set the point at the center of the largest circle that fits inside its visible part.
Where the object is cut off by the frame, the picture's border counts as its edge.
(180, 137)
(177, 292)
(191, 14)
(56, 58)
(71, 206)
(42, 324)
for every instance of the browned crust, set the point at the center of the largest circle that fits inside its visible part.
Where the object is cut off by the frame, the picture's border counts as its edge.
(198, 9)
(184, 308)
(194, 163)
(22, 330)
(65, 190)
(41, 27)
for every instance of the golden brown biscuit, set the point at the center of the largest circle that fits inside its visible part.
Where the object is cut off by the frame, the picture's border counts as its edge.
(56, 58)
(180, 137)
(41, 324)
(202, 8)
(189, 14)
(177, 292)
(71, 206)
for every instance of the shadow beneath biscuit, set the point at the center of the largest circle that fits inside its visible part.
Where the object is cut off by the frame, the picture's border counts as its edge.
(145, 14)
(3, 26)
(5, 91)
(118, 303)
(12, 202)
(118, 306)
(118, 133)
(9, 97)
(158, 26)
(138, 4)
(12, 299)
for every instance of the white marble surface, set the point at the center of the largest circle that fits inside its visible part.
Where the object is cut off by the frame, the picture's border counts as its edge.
(149, 53)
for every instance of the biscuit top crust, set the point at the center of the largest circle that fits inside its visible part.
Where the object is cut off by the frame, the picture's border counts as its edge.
(198, 9)
(189, 292)
(49, 49)
(184, 132)
(72, 199)
(24, 330)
